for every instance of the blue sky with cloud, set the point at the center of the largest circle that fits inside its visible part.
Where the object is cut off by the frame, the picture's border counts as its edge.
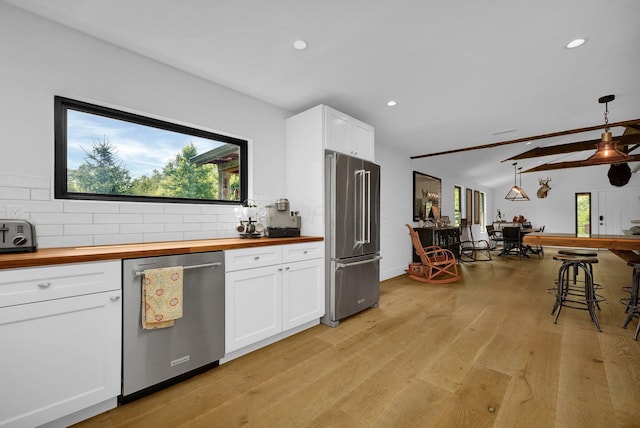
(141, 148)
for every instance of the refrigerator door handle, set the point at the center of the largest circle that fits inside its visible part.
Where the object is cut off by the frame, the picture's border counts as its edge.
(362, 262)
(360, 212)
(367, 223)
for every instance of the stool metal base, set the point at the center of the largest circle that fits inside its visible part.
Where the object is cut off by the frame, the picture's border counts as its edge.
(568, 292)
(632, 309)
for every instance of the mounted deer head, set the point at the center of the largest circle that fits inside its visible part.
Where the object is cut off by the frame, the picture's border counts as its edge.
(544, 187)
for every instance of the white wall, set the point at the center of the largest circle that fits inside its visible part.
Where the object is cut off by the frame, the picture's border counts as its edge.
(557, 211)
(41, 59)
(395, 210)
(396, 202)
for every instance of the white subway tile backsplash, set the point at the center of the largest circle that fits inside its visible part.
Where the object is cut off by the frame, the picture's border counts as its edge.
(122, 238)
(220, 226)
(61, 218)
(228, 234)
(142, 208)
(11, 180)
(43, 206)
(199, 218)
(219, 209)
(182, 209)
(49, 230)
(117, 218)
(21, 193)
(141, 228)
(40, 194)
(228, 219)
(65, 241)
(90, 207)
(203, 234)
(182, 227)
(71, 223)
(160, 237)
(91, 229)
(162, 218)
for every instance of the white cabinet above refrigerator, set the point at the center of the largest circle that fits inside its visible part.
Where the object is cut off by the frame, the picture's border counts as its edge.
(347, 135)
(307, 136)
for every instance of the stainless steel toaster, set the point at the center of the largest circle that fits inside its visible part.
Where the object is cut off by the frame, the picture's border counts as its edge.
(17, 236)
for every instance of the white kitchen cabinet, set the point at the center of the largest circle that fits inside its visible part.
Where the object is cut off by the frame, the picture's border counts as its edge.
(302, 292)
(307, 136)
(60, 329)
(276, 295)
(253, 305)
(346, 134)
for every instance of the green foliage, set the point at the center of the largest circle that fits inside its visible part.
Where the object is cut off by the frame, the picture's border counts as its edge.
(102, 172)
(183, 179)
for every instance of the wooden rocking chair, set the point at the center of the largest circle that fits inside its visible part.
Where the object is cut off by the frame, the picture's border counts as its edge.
(438, 265)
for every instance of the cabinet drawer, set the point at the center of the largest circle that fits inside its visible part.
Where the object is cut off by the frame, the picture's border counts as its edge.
(302, 251)
(247, 258)
(29, 285)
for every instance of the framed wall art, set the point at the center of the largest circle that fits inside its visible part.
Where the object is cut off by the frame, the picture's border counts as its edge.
(427, 194)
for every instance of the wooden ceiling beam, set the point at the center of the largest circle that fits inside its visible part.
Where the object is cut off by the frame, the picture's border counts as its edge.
(571, 164)
(626, 123)
(623, 140)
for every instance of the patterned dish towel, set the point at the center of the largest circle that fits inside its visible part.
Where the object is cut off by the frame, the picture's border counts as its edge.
(161, 297)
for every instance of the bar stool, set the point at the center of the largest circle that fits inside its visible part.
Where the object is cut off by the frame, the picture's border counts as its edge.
(582, 253)
(632, 303)
(568, 293)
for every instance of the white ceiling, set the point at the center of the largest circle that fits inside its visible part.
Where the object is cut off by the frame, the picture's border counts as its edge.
(459, 70)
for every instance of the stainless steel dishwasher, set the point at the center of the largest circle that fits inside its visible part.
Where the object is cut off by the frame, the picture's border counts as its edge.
(152, 359)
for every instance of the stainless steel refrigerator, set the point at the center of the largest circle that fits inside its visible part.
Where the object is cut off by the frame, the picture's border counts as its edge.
(352, 231)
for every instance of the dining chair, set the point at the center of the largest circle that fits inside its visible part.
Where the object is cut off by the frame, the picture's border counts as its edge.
(495, 236)
(512, 241)
(470, 249)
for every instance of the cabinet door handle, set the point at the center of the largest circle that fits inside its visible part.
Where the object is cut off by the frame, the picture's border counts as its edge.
(287, 268)
(44, 285)
(305, 252)
(256, 258)
(279, 269)
(115, 298)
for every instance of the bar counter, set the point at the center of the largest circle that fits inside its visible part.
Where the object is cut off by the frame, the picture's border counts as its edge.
(610, 242)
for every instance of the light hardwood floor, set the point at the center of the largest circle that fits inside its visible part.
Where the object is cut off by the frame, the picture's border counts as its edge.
(483, 352)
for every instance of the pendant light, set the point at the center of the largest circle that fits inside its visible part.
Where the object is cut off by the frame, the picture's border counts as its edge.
(516, 193)
(607, 150)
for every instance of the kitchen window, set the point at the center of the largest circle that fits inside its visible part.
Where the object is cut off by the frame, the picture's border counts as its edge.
(107, 154)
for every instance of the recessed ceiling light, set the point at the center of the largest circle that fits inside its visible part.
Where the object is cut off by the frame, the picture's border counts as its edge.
(392, 103)
(575, 43)
(299, 44)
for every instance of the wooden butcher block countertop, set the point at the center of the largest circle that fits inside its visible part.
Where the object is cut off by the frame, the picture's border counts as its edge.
(54, 256)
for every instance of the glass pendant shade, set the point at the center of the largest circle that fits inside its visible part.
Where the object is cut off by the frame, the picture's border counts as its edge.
(607, 152)
(517, 193)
